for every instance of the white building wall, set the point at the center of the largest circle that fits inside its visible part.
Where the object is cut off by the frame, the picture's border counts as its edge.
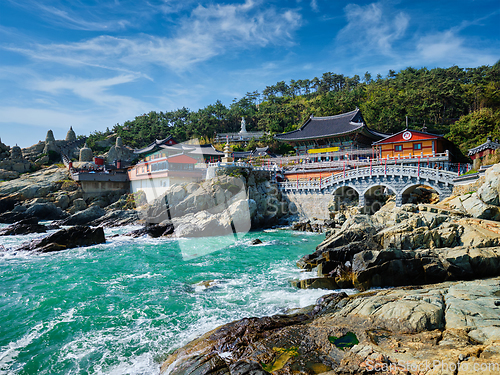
(153, 188)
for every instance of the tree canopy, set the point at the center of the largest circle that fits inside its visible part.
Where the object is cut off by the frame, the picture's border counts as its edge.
(463, 103)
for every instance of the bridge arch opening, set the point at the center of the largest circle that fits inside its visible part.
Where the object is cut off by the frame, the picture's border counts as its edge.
(420, 193)
(376, 196)
(345, 196)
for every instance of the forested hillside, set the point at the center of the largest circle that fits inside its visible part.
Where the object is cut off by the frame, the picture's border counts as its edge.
(463, 103)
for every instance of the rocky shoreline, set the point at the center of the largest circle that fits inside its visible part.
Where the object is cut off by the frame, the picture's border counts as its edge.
(440, 263)
(439, 315)
(237, 200)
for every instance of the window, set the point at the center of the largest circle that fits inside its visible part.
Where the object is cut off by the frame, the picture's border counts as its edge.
(417, 146)
(398, 148)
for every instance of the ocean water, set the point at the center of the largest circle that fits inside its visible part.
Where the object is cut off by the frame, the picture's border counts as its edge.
(121, 307)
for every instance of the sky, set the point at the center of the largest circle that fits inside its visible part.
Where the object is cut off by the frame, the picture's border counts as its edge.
(93, 64)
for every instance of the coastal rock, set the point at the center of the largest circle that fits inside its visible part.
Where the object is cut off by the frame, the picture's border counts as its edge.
(6, 175)
(428, 328)
(79, 205)
(217, 205)
(116, 218)
(37, 184)
(490, 190)
(84, 217)
(26, 226)
(153, 230)
(66, 238)
(474, 206)
(45, 211)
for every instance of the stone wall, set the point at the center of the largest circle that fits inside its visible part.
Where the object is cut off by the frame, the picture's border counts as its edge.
(308, 206)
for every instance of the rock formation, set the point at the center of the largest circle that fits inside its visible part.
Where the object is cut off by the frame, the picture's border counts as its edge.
(219, 206)
(426, 330)
(119, 152)
(65, 239)
(70, 136)
(50, 143)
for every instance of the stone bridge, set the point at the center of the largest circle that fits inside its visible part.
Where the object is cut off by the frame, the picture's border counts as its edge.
(368, 181)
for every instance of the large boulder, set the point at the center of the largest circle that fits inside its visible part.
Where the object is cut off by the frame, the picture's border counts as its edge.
(117, 218)
(25, 226)
(45, 211)
(475, 207)
(490, 190)
(84, 217)
(66, 238)
(37, 184)
(153, 230)
(403, 330)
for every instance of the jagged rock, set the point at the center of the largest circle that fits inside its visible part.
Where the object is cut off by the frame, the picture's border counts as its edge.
(316, 283)
(45, 211)
(67, 238)
(490, 190)
(153, 230)
(356, 228)
(7, 204)
(84, 217)
(8, 175)
(62, 201)
(475, 207)
(255, 241)
(446, 323)
(25, 226)
(79, 205)
(117, 218)
(34, 185)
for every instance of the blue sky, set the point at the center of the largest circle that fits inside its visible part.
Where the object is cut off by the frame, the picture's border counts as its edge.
(92, 64)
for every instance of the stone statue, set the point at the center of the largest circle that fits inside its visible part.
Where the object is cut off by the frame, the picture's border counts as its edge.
(243, 127)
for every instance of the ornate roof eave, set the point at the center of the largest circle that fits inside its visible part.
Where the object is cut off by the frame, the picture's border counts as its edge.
(361, 125)
(485, 146)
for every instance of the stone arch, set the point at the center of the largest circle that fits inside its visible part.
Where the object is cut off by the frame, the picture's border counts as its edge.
(345, 195)
(408, 189)
(375, 195)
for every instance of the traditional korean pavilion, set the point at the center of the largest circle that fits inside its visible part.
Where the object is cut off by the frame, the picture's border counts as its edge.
(412, 143)
(345, 132)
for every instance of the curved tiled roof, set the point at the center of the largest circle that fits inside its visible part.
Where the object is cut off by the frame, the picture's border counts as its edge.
(323, 127)
(489, 144)
(154, 145)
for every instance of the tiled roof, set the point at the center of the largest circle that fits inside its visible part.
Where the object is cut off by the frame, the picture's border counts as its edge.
(489, 144)
(323, 127)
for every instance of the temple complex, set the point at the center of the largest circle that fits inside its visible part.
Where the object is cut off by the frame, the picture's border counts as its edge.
(339, 134)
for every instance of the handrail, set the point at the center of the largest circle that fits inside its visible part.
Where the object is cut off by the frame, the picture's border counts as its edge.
(394, 170)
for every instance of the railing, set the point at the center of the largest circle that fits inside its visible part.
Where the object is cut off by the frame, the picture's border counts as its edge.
(393, 170)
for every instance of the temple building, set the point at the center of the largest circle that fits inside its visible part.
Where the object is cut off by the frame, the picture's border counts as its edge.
(410, 143)
(483, 151)
(154, 176)
(340, 134)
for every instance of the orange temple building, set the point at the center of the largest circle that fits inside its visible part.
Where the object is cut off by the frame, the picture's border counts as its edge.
(410, 144)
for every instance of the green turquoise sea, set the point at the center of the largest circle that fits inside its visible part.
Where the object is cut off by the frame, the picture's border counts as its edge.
(121, 307)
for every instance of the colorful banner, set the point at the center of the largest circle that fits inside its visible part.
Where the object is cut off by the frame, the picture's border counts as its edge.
(322, 150)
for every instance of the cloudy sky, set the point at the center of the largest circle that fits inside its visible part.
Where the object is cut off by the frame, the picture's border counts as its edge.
(94, 63)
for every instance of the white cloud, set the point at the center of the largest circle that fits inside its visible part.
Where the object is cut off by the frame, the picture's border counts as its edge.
(448, 48)
(373, 28)
(209, 31)
(77, 16)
